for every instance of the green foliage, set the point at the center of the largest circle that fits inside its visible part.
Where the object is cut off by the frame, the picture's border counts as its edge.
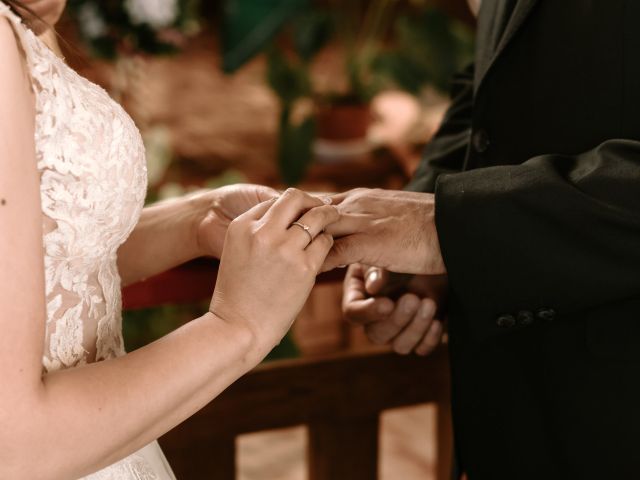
(428, 49)
(385, 46)
(311, 32)
(143, 326)
(287, 77)
(295, 147)
(250, 25)
(111, 28)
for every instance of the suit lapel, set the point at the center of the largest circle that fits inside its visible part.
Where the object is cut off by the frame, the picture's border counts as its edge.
(520, 13)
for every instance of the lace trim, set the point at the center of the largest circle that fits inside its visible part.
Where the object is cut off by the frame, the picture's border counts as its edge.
(134, 467)
(93, 182)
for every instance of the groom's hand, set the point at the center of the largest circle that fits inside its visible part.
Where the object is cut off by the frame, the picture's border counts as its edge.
(411, 323)
(386, 228)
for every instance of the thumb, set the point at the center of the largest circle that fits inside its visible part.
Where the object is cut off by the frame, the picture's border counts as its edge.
(266, 193)
(375, 279)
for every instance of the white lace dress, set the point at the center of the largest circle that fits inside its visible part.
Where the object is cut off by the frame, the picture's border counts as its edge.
(93, 182)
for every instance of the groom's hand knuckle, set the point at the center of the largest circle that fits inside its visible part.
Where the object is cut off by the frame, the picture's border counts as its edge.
(293, 193)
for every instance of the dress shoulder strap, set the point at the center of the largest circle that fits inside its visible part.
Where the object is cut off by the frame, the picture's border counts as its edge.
(24, 35)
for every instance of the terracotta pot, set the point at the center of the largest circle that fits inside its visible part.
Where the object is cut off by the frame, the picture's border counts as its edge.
(344, 122)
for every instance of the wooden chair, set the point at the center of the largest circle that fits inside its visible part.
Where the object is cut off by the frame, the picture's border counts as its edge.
(339, 398)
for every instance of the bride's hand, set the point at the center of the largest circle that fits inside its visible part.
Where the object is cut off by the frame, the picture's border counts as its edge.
(269, 266)
(220, 207)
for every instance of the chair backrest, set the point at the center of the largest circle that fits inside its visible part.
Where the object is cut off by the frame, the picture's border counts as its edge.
(339, 398)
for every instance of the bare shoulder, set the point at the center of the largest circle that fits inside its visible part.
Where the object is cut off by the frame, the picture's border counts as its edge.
(12, 56)
(8, 38)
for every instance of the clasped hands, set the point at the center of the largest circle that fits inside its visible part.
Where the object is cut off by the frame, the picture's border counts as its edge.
(392, 231)
(382, 231)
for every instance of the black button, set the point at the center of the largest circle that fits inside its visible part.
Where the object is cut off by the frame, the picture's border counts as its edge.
(546, 314)
(506, 321)
(480, 141)
(525, 318)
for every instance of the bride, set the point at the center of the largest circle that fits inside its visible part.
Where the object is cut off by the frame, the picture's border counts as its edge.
(72, 229)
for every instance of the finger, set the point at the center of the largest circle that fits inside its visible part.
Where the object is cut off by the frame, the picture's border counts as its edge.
(345, 251)
(257, 211)
(376, 278)
(338, 198)
(356, 305)
(383, 332)
(289, 207)
(266, 193)
(348, 224)
(317, 250)
(317, 220)
(353, 285)
(415, 331)
(370, 310)
(432, 339)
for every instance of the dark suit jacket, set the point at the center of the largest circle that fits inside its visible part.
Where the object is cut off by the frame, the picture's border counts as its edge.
(540, 233)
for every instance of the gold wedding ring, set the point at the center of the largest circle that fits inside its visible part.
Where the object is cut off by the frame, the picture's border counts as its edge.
(306, 228)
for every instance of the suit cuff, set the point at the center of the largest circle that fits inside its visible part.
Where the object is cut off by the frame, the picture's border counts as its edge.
(485, 260)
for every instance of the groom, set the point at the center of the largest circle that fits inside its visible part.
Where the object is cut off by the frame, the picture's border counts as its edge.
(529, 200)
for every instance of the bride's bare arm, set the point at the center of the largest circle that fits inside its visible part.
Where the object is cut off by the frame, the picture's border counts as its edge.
(175, 231)
(115, 407)
(165, 236)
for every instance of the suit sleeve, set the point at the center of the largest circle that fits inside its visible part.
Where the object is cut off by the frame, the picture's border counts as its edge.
(556, 234)
(446, 152)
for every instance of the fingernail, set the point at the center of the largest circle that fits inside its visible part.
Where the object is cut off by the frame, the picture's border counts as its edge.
(373, 276)
(425, 310)
(342, 266)
(327, 200)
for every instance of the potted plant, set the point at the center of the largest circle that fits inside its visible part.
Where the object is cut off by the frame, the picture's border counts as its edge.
(384, 44)
(116, 28)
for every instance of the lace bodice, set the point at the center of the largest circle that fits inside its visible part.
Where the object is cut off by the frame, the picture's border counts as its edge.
(93, 182)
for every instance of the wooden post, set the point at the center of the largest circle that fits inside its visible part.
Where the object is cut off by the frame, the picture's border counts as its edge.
(338, 397)
(343, 448)
(444, 436)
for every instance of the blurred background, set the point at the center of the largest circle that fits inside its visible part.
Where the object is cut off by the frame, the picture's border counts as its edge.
(325, 95)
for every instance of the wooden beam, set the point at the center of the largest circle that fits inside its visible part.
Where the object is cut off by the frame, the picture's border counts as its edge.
(293, 392)
(343, 448)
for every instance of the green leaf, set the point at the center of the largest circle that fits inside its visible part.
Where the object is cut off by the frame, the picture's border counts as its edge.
(288, 80)
(311, 33)
(295, 149)
(248, 26)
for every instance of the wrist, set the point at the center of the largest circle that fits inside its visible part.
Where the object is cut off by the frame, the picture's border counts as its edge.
(200, 207)
(434, 260)
(245, 340)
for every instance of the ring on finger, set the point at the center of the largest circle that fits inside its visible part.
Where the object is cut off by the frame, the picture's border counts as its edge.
(306, 228)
